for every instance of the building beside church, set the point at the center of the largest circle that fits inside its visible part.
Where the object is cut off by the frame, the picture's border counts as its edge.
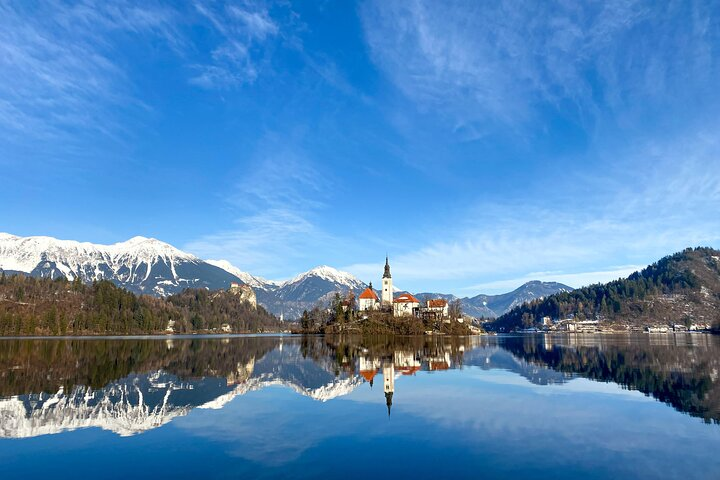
(405, 305)
(436, 308)
(368, 299)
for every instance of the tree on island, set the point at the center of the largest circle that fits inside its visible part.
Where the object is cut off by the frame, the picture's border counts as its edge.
(455, 309)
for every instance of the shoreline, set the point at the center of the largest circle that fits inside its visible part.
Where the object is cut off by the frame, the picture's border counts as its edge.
(149, 336)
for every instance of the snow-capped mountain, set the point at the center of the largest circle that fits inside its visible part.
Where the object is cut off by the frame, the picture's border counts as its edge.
(316, 286)
(149, 266)
(141, 265)
(303, 292)
(319, 281)
(329, 274)
(252, 280)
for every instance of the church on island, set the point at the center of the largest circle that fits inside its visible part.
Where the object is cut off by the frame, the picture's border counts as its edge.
(404, 305)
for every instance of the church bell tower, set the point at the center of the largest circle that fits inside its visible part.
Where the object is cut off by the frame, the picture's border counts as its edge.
(387, 289)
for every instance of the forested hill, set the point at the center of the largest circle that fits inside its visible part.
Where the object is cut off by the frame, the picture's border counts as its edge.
(680, 288)
(41, 306)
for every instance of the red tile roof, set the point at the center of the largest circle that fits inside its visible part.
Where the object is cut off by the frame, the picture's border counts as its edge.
(369, 293)
(437, 303)
(406, 298)
(368, 374)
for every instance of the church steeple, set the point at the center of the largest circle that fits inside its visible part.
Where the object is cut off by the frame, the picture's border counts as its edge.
(387, 289)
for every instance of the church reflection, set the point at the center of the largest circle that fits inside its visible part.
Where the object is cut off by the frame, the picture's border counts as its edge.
(397, 364)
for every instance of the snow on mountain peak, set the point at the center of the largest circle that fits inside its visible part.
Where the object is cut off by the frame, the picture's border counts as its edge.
(330, 274)
(128, 262)
(252, 280)
(138, 239)
(148, 247)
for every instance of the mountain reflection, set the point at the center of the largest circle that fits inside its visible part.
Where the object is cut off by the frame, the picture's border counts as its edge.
(132, 385)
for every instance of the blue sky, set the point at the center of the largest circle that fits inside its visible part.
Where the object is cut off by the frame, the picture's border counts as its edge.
(479, 144)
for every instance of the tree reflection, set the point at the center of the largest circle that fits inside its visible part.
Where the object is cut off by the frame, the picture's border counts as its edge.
(169, 377)
(678, 375)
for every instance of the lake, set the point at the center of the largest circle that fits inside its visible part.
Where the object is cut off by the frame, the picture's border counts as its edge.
(538, 406)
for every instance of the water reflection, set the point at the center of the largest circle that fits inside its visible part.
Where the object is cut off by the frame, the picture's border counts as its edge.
(129, 386)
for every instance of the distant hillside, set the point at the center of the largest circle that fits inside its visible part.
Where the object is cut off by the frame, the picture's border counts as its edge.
(42, 306)
(503, 303)
(492, 306)
(680, 288)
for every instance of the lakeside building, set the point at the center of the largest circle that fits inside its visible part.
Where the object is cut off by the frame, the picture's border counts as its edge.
(435, 308)
(368, 299)
(404, 305)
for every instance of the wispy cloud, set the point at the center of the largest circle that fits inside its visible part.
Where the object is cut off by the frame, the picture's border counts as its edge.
(496, 65)
(58, 68)
(243, 30)
(65, 75)
(498, 70)
(278, 205)
(662, 203)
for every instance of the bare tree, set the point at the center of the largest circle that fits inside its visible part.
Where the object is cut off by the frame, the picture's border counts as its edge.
(455, 309)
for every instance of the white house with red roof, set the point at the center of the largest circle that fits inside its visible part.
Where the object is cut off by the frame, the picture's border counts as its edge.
(437, 307)
(405, 305)
(368, 299)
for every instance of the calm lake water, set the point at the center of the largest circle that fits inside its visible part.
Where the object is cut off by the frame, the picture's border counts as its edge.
(564, 406)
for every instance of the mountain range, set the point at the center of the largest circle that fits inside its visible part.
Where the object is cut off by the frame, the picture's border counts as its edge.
(140, 265)
(149, 266)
